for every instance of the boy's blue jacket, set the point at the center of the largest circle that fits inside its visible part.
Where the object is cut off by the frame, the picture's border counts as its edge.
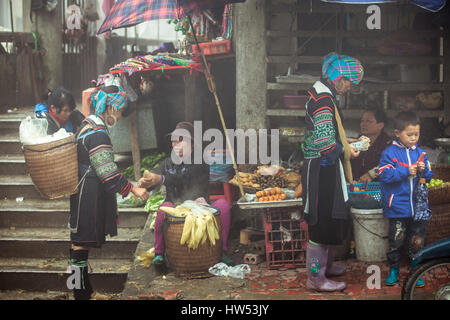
(397, 186)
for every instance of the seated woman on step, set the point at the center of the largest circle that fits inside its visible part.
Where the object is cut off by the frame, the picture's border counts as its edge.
(184, 182)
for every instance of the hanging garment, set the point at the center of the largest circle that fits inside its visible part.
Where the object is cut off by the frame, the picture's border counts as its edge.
(73, 17)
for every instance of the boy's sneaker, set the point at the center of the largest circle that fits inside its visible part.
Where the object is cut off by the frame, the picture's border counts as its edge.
(392, 277)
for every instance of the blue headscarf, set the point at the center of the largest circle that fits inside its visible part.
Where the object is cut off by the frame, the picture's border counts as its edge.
(100, 100)
(337, 66)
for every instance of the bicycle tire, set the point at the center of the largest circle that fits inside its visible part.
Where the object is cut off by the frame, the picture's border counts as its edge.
(417, 272)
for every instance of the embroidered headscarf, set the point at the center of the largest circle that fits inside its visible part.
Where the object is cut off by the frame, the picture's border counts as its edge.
(100, 100)
(337, 66)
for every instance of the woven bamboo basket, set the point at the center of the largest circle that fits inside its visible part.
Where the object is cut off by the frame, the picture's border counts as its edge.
(441, 171)
(53, 167)
(438, 227)
(440, 194)
(185, 261)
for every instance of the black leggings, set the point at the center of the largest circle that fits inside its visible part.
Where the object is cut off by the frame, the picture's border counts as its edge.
(79, 262)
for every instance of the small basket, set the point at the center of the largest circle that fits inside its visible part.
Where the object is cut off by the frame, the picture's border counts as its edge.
(368, 197)
(53, 167)
(186, 261)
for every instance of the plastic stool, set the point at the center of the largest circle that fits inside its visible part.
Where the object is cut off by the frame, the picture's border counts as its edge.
(227, 193)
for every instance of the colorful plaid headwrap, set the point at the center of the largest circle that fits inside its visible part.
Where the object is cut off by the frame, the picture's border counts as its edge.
(100, 100)
(337, 66)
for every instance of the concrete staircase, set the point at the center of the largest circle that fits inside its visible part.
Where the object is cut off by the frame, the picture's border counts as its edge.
(34, 239)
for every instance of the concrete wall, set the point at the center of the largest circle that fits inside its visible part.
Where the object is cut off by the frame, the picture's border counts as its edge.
(249, 33)
(48, 26)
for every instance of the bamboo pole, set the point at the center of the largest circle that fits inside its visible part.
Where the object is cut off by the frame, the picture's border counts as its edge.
(212, 88)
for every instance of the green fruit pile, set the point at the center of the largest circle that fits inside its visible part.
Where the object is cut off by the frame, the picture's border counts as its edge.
(436, 183)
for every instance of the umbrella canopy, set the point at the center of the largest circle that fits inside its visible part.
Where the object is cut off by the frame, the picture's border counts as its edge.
(127, 13)
(431, 5)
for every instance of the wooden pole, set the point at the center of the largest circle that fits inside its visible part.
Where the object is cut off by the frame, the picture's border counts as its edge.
(212, 88)
(134, 138)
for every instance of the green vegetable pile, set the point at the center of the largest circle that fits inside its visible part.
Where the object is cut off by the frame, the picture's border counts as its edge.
(149, 163)
(130, 202)
(153, 202)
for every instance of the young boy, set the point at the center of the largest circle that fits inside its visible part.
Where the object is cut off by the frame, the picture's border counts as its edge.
(398, 170)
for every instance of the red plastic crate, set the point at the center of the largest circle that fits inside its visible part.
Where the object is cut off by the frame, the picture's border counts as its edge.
(286, 236)
(211, 48)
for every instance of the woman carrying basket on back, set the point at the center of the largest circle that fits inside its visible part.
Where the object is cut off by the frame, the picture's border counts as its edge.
(93, 210)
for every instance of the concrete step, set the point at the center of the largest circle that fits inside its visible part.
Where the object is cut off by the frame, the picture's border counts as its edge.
(55, 243)
(10, 144)
(13, 165)
(51, 274)
(55, 214)
(14, 186)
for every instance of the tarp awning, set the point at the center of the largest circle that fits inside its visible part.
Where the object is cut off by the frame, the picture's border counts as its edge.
(431, 5)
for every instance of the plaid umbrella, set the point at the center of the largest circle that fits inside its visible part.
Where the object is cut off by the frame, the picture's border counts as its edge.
(127, 13)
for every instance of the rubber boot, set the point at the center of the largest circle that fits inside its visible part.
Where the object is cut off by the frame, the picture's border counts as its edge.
(420, 283)
(333, 270)
(392, 277)
(316, 263)
(79, 259)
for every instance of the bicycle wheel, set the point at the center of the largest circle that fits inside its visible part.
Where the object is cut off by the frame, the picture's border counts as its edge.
(435, 274)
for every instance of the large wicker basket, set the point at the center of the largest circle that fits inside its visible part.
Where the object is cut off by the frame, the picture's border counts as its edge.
(189, 262)
(53, 167)
(438, 227)
(440, 194)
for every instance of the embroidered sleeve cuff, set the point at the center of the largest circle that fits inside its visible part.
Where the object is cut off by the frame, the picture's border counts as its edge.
(125, 191)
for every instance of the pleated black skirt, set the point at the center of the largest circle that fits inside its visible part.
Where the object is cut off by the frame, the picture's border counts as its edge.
(327, 231)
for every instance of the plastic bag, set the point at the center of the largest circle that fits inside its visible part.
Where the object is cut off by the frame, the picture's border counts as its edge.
(32, 129)
(197, 208)
(238, 271)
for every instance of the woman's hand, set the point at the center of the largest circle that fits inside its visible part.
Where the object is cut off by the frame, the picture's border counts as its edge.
(154, 179)
(140, 193)
(351, 140)
(365, 178)
(354, 153)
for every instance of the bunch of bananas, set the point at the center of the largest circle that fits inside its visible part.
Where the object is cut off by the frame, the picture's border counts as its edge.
(197, 228)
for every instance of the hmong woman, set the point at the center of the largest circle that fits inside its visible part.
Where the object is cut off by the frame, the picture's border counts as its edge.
(326, 169)
(93, 210)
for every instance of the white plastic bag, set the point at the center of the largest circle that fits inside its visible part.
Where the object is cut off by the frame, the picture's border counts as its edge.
(238, 271)
(197, 208)
(32, 129)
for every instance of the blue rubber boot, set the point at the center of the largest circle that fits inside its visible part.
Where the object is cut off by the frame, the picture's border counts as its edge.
(420, 283)
(392, 277)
